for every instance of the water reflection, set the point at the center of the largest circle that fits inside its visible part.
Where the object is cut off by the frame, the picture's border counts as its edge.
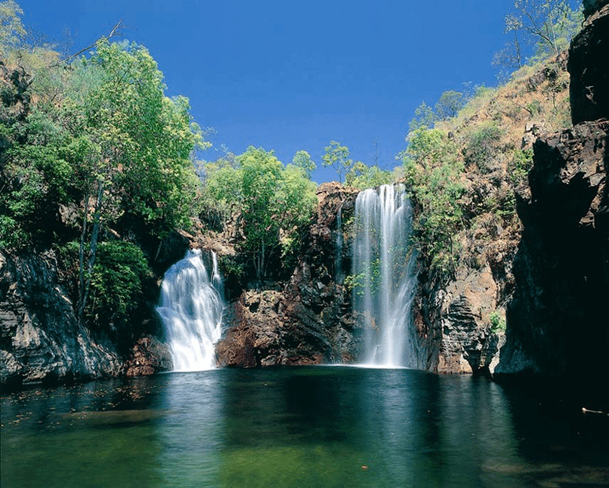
(317, 427)
(191, 431)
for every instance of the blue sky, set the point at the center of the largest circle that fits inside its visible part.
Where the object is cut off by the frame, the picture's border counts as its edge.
(295, 75)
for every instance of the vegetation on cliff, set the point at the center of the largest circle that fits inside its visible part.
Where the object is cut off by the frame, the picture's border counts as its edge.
(469, 155)
(272, 204)
(96, 164)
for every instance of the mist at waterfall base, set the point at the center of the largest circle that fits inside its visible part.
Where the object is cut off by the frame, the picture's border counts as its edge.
(384, 274)
(191, 309)
(293, 427)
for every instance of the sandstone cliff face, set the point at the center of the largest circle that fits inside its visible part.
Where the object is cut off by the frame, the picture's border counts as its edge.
(309, 320)
(558, 320)
(41, 340)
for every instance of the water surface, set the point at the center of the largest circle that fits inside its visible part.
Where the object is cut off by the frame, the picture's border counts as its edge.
(293, 427)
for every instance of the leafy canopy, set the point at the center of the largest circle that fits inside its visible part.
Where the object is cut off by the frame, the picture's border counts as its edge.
(274, 203)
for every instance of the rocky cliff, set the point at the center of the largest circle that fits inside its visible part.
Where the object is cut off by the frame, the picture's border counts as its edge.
(41, 339)
(558, 319)
(308, 320)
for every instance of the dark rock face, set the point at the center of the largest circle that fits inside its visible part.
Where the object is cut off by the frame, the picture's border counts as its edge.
(558, 319)
(592, 6)
(589, 67)
(41, 340)
(309, 321)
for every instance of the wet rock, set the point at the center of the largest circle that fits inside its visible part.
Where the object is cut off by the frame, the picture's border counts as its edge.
(148, 356)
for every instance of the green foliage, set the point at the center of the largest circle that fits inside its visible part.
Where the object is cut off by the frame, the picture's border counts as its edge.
(221, 194)
(372, 277)
(274, 203)
(482, 146)
(11, 27)
(302, 159)
(100, 137)
(361, 176)
(117, 281)
(151, 159)
(534, 107)
(498, 323)
(337, 157)
(432, 173)
(449, 104)
(424, 118)
(519, 166)
(548, 25)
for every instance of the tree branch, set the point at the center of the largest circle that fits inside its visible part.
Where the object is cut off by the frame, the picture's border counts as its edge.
(113, 33)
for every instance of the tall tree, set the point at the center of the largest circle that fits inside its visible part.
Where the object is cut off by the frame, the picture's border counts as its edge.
(302, 159)
(11, 27)
(139, 145)
(547, 25)
(273, 202)
(337, 157)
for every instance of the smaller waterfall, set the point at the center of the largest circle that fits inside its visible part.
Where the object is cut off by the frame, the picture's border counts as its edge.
(191, 309)
(338, 262)
(385, 277)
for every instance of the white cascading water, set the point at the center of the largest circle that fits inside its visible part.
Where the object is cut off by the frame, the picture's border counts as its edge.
(385, 277)
(191, 309)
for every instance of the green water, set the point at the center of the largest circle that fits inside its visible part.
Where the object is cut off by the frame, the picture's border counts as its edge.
(293, 427)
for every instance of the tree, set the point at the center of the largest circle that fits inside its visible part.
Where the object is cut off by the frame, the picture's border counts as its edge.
(11, 28)
(449, 104)
(302, 159)
(337, 157)
(424, 117)
(432, 173)
(547, 25)
(361, 176)
(273, 202)
(130, 167)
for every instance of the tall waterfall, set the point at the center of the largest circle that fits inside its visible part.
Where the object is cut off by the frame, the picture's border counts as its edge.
(384, 277)
(191, 309)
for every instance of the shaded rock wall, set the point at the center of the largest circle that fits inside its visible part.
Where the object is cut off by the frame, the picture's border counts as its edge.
(588, 60)
(41, 340)
(558, 320)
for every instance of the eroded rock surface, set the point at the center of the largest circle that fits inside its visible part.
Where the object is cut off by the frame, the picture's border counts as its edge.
(558, 320)
(41, 340)
(307, 321)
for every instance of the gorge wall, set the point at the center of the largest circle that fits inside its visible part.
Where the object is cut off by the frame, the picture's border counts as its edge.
(558, 319)
(41, 339)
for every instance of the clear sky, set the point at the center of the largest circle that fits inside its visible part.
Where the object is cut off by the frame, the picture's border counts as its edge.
(287, 75)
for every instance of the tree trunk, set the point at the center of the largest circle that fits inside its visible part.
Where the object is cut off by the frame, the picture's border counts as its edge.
(84, 292)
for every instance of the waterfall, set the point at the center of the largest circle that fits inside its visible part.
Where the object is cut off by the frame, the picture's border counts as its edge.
(191, 309)
(384, 277)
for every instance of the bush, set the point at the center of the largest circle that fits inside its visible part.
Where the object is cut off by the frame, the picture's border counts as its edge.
(432, 173)
(483, 146)
(117, 283)
(498, 323)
